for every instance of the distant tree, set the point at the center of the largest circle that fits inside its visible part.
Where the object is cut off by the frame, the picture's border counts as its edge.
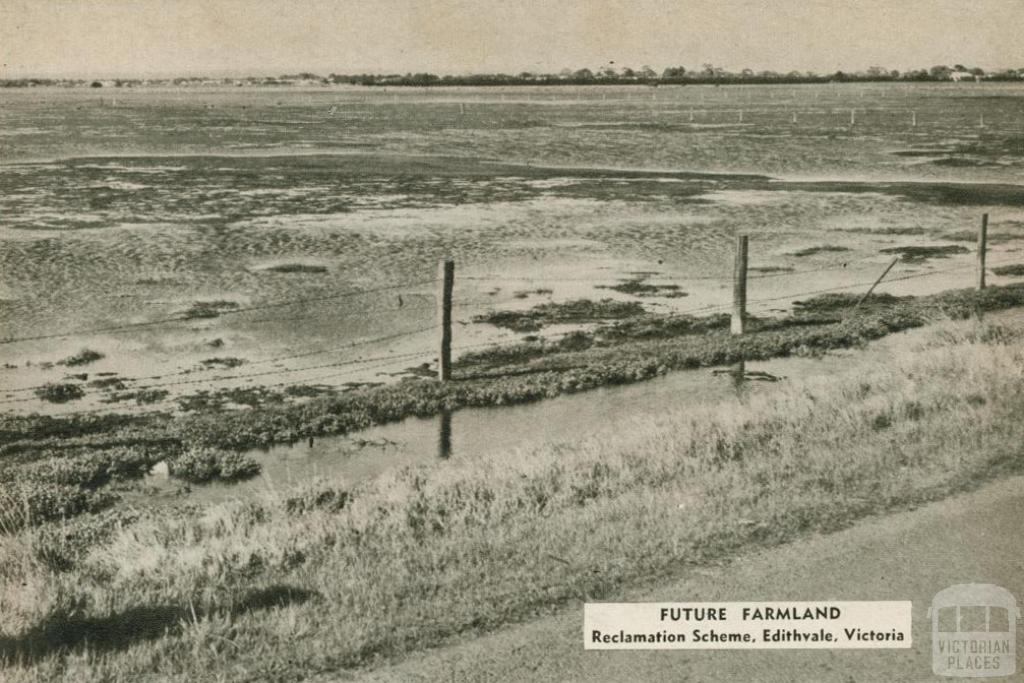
(95, 84)
(583, 75)
(422, 78)
(628, 73)
(940, 72)
(673, 72)
(647, 72)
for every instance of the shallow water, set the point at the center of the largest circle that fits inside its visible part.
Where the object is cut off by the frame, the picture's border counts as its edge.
(476, 432)
(173, 197)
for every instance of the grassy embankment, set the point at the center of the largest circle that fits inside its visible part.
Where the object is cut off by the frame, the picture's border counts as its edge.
(54, 468)
(329, 578)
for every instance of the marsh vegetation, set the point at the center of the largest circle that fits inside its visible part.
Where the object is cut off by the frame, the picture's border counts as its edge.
(420, 555)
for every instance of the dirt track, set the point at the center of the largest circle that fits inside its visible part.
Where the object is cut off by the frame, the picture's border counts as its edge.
(971, 538)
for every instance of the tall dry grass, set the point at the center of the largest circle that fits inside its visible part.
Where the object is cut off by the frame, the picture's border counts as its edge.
(329, 578)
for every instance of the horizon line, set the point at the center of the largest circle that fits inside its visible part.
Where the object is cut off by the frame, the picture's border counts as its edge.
(238, 74)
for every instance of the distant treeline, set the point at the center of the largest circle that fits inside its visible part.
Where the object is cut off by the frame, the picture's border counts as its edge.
(709, 74)
(676, 75)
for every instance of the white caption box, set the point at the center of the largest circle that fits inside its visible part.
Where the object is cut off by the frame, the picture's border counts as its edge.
(746, 625)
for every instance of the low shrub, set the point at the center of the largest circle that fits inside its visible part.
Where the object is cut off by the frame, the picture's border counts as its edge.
(297, 268)
(921, 254)
(140, 396)
(576, 311)
(641, 288)
(83, 357)
(208, 309)
(200, 465)
(811, 251)
(63, 392)
(109, 383)
(226, 362)
(1014, 270)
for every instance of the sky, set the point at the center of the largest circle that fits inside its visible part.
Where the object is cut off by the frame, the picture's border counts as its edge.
(107, 38)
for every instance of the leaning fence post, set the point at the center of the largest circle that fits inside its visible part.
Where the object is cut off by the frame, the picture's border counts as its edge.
(982, 246)
(446, 276)
(875, 284)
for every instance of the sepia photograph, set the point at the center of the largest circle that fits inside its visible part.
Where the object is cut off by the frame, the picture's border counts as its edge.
(492, 340)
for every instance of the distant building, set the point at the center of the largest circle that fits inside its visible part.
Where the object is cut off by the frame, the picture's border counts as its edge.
(958, 76)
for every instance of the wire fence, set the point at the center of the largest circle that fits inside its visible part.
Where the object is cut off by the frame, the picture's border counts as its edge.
(214, 376)
(219, 313)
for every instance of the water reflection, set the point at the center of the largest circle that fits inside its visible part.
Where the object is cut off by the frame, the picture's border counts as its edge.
(444, 437)
(738, 372)
(482, 432)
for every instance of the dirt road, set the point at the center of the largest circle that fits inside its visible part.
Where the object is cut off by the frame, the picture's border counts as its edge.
(971, 538)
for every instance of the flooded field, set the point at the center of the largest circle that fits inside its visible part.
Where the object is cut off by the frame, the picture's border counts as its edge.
(209, 239)
(474, 433)
(223, 449)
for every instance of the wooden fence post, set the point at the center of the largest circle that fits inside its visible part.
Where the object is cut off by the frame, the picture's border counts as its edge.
(739, 286)
(446, 275)
(982, 246)
(738, 371)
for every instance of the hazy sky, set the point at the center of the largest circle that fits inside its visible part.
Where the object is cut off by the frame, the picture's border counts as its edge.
(133, 37)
